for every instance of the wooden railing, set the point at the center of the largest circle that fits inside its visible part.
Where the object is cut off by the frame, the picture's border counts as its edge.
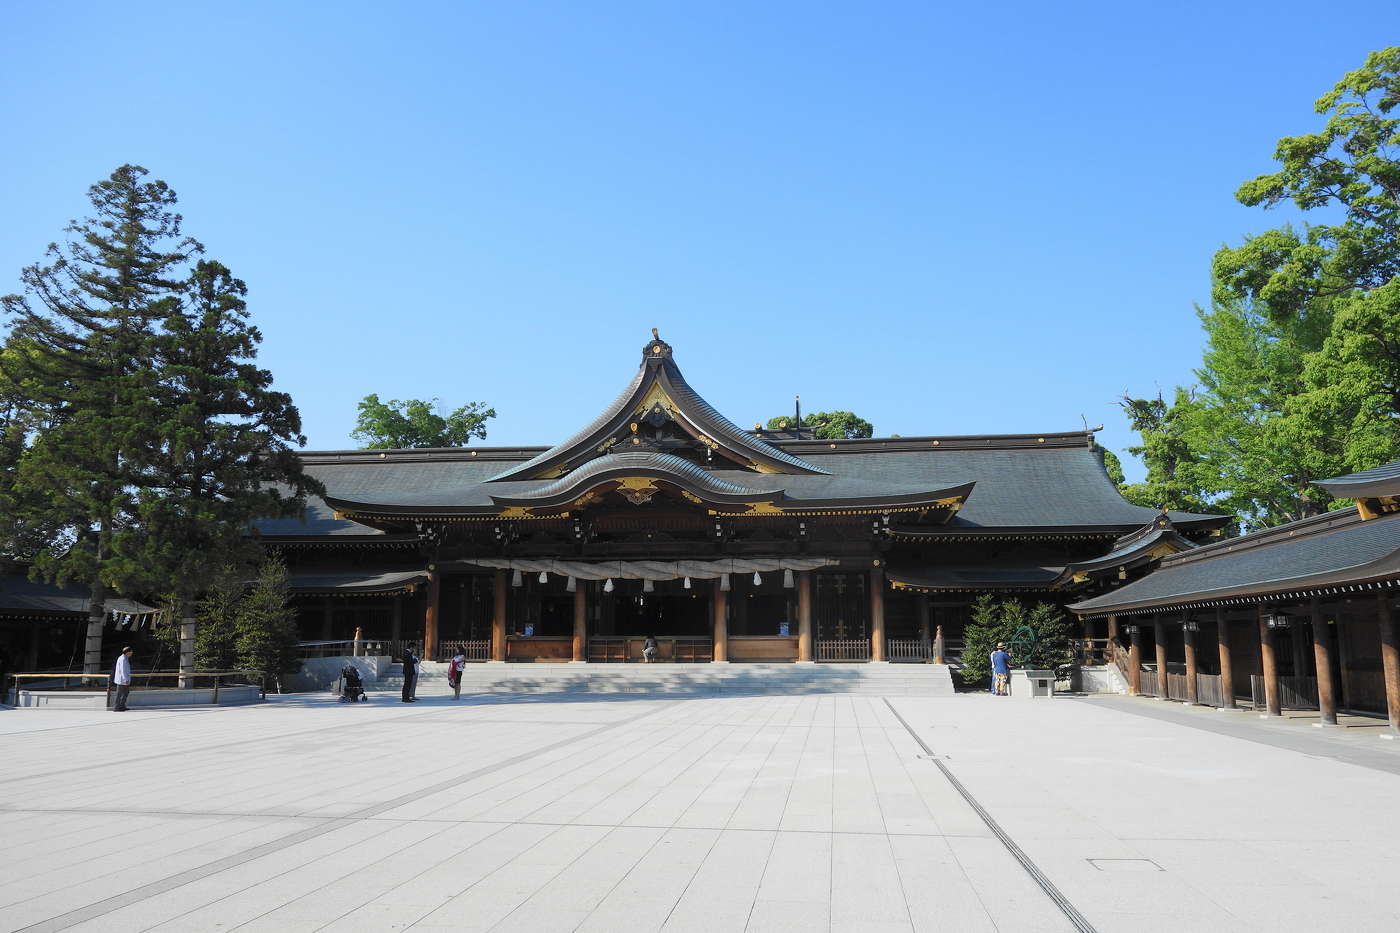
(681, 649)
(908, 649)
(141, 680)
(1176, 687)
(1293, 692)
(843, 649)
(1148, 683)
(474, 649)
(1208, 690)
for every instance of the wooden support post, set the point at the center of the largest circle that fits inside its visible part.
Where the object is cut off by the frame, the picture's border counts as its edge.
(1270, 665)
(1322, 658)
(804, 615)
(1111, 655)
(1159, 634)
(721, 623)
(877, 614)
(430, 616)
(498, 617)
(1193, 693)
(580, 621)
(1135, 663)
(396, 625)
(1227, 673)
(1390, 659)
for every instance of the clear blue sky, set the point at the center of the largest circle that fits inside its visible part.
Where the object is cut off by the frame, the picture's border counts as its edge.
(950, 218)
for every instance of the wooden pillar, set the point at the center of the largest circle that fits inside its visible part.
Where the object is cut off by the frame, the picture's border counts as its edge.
(396, 626)
(1111, 654)
(1322, 658)
(877, 614)
(721, 622)
(1135, 662)
(1159, 634)
(804, 615)
(1227, 673)
(1193, 693)
(580, 620)
(431, 613)
(498, 617)
(1390, 659)
(1270, 665)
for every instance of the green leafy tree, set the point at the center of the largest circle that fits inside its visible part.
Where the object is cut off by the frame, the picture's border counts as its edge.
(828, 425)
(83, 348)
(1173, 474)
(265, 624)
(999, 620)
(1341, 274)
(416, 423)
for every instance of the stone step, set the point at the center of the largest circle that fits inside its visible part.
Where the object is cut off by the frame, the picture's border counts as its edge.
(735, 678)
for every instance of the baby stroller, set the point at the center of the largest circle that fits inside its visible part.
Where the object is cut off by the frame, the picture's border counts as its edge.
(352, 689)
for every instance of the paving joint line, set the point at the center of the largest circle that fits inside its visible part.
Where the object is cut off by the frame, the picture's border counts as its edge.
(1066, 907)
(151, 889)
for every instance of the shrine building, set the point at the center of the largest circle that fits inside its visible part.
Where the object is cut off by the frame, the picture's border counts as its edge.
(663, 518)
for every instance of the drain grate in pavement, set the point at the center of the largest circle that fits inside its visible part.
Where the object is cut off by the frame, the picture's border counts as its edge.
(1125, 864)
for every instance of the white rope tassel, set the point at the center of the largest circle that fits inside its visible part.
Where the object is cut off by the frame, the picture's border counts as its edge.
(516, 579)
(687, 582)
(757, 578)
(724, 582)
(607, 586)
(571, 586)
(648, 586)
(544, 576)
(787, 580)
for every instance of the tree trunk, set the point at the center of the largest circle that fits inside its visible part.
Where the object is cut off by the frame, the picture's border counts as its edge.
(188, 629)
(97, 616)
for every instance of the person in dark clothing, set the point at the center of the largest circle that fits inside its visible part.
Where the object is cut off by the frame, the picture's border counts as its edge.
(410, 675)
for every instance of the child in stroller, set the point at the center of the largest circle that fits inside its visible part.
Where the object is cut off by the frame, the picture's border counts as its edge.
(352, 690)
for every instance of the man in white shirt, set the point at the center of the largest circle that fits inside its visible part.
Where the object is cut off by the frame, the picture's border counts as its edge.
(121, 677)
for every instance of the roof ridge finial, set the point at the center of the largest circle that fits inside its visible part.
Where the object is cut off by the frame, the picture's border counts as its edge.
(654, 334)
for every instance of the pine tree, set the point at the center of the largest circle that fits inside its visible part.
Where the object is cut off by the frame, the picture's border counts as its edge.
(265, 623)
(222, 454)
(83, 336)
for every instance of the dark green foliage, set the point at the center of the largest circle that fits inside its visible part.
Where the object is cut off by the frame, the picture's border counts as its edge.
(414, 423)
(82, 346)
(828, 425)
(265, 625)
(217, 634)
(145, 439)
(998, 620)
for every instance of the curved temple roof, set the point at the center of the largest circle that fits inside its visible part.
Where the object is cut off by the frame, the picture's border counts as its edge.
(1378, 481)
(659, 380)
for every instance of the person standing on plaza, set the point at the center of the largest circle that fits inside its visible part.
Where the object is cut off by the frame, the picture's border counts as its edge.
(410, 675)
(1001, 670)
(649, 649)
(454, 673)
(121, 679)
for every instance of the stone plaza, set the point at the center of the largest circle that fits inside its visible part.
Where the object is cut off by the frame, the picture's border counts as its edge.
(713, 813)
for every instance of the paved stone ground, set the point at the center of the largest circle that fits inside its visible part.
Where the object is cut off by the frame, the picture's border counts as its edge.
(714, 814)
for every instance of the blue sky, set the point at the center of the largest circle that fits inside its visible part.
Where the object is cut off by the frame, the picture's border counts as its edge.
(951, 219)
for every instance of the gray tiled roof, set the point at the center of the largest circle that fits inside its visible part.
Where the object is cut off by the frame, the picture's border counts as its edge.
(1379, 481)
(318, 519)
(945, 577)
(1062, 486)
(19, 595)
(1315, 552)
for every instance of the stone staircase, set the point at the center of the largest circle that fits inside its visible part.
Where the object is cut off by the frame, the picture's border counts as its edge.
(684, 679)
